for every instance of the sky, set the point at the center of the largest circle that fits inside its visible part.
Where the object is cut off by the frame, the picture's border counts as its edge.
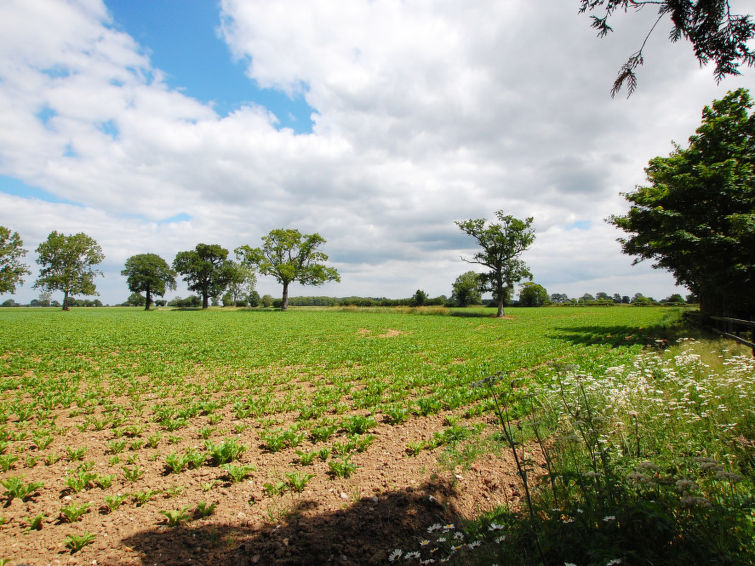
(154, 125)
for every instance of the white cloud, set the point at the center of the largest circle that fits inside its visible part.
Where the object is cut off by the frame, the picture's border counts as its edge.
(427, 112)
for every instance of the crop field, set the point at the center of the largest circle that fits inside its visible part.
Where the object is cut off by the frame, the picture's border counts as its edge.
(257, 437)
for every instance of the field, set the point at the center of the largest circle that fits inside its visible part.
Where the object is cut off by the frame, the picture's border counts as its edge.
(257, 437)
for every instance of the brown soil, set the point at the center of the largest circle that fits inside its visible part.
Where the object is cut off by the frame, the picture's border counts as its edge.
(388, 502)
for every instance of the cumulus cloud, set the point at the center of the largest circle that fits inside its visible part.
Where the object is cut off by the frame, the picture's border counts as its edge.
(424, 113)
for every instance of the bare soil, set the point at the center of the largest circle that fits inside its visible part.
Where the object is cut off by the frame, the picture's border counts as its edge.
(388, 502)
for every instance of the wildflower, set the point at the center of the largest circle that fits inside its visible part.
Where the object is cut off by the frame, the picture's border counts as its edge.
(685, 485)
(613, 562)
(395, 555)
(474, 544)
(424, 542)
(411, 555)
(448, 527)
(434, 527)
(495, 527)
(441, 539)
(566, 519)
(569, 564)
(500, 539)
(609, 518)
(458, 535)
(428, 561)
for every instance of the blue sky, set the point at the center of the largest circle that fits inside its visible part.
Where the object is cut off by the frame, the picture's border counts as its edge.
(156, 125)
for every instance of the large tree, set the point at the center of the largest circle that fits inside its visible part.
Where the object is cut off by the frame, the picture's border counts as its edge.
(715, 33)
(533, 295)
(466, 290)
(289, 256)
(501, 242)
(242, 283)
(697, 216)
(12, 269)
(67, 264)
(149, 274)
(205, 269)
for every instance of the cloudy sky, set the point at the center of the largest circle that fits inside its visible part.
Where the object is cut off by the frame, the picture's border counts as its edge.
(153, 125)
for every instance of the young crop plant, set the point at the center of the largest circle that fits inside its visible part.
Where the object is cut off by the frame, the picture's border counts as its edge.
(224, 452)
(297, 480)
(306, 458)
(275, 488)
(358, 424)
(42, 440)
(77, 542)
(203, 509)
(342, 468)
(80, 480)
(133, 474)
(114, 501)
(322, 433)
(15, 488)
(154, 439)
(142, 497)
(75, 454)
(237, 473)
(175, 464)
(35, 522)
(396, 414)
(7, 461)
(73, 512)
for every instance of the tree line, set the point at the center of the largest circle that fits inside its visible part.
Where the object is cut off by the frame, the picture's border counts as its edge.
(68, 263)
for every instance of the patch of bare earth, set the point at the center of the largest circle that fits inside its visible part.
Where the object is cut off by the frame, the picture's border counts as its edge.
(388, 502)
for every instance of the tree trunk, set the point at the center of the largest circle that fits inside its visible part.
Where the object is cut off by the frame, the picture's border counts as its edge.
(205, 300)
(65, 301)
(500, 308)
(285, 296)
(149, 299)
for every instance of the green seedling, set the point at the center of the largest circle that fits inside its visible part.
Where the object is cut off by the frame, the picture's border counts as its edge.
(298, 480)
(342, 468)
(73, 512)
(176, 517)
(203, 510)
(77, 542)
(133, 474)
(224, 452)
(15, 488)
(35, 523)
(115, 501)
(237, 473)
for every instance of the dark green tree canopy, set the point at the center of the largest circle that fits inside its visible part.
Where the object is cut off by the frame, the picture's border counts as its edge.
(12, 269)
(501, 245)
(715, 33)
(149, 274)
(205, 270)
(67, 264)
(466, 290)
(289, 256)
(697, 216)
(533, 295)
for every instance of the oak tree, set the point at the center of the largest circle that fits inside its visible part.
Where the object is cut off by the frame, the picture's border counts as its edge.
(67, 264)
(12, 269)
(501, 244)
(288, 256)
(149, 274)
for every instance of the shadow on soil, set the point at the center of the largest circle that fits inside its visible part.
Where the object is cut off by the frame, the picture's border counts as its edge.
(363, 532)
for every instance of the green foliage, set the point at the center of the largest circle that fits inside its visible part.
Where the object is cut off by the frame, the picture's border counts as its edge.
(176, 516)
(289, 256)
(114, 501)
(342, 468)
(237, 473)
(297, 480)
(35, 522)
(149, 274)
(16, 488)
(205, 270)
(133, 474)
(697, 216)
(501, 244)
(358, 424)
(77, 542)
(12, 270)
(67, 264)
(466, 290)
(715, 33)
(533, 295)
(73, 512)
(203, 510)
(224, 452)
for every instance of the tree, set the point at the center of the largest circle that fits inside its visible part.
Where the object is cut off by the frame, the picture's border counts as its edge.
(135, 300)
(419, 298)
(715, 33)
(68, 265)
(205, 270)
(289, 256)
(501, 243)
(466, 290)
(533, 295)
(242, 283)
(12, 270)
(697, 217)
(149, 274)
